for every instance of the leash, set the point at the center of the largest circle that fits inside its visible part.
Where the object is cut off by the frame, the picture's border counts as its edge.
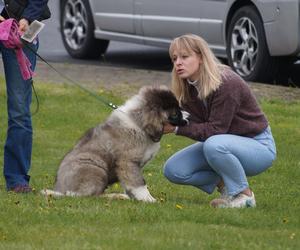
(99, 98)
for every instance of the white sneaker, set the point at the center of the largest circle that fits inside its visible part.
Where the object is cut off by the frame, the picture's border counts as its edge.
(239, 201)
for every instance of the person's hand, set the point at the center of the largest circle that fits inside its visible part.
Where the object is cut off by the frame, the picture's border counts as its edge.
(2, 19)
(168, 128)
(23, 25)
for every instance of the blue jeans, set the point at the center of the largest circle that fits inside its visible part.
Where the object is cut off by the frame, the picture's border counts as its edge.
(222, 157)
(18, 146)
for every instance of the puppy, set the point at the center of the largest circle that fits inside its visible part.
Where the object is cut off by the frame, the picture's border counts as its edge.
(118, 149)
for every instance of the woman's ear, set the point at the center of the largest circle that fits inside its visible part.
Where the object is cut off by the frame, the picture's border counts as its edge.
(200, 59)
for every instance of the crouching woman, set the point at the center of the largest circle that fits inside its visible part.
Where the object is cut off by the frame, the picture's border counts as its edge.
(233, 134)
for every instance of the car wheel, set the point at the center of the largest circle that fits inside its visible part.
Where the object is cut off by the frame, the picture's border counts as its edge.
(247, 49)
(77, 30)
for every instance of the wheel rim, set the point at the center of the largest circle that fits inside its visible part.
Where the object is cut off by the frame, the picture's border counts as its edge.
(75, 24)
(244, 46)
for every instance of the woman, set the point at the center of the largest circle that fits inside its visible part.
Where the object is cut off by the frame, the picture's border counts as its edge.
(233, 134)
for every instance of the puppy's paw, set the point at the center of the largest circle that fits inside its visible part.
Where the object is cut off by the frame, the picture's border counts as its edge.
(150, 198)
(141, 194)
(116, 196)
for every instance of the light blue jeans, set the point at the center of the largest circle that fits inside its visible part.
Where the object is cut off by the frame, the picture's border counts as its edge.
(222, 157)
(18, 146)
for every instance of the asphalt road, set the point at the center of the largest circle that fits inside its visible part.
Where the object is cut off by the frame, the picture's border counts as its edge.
(118, 53)
(126, 55)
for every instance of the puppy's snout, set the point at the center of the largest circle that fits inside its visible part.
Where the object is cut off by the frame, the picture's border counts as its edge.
(180, 118)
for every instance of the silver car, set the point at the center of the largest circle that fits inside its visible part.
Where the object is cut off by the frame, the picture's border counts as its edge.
(255, 36)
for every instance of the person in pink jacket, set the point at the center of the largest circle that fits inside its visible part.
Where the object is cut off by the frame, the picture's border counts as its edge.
(18, 145)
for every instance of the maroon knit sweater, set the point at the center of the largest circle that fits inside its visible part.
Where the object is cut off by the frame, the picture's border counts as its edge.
(231, 109)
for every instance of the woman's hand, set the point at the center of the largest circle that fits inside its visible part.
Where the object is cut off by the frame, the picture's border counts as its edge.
(2, 19)
(23, 25)
(168, 128)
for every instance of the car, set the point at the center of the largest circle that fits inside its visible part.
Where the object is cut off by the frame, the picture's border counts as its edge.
(256, 37)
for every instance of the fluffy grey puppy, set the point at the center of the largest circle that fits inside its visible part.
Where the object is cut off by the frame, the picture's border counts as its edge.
(118, 149)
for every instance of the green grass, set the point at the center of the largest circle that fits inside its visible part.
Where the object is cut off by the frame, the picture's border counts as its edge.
(182, 219)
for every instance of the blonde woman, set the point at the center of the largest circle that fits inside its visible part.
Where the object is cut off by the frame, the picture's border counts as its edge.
(233, 134)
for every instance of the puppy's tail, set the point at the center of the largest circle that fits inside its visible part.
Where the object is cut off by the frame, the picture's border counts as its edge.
(48, 192)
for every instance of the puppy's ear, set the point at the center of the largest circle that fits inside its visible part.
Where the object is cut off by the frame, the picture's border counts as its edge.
(154, 132)
(152, 123)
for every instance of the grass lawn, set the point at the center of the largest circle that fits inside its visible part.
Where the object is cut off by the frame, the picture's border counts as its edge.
(182, 219)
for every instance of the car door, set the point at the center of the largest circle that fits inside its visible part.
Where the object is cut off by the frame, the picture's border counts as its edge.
(170, 18)
(114, 15)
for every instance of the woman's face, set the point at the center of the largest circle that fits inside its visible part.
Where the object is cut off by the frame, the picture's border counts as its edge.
(186, 64)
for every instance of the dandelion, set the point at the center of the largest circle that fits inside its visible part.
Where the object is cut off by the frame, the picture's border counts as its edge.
(149, 174)
(292, 236)
(169, 145)
(179, 206)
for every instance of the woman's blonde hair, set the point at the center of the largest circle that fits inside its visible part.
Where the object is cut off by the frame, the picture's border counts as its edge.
(210, 77)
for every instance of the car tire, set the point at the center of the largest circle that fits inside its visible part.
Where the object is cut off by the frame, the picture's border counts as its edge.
(77, 30)
(247, 48)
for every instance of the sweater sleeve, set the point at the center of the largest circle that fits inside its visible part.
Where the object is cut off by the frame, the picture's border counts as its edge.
(223, 107)
(34, 9)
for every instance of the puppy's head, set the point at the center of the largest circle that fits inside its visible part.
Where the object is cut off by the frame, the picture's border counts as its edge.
(160, 107)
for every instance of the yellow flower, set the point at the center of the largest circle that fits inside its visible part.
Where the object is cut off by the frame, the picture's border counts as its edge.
(179, 206)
